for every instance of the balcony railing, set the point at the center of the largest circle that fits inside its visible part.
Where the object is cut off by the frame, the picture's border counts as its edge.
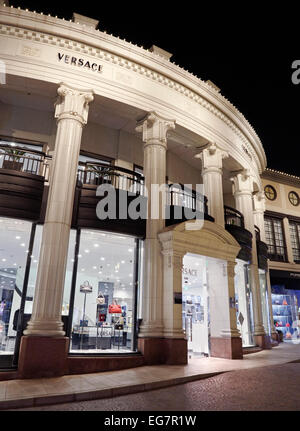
(233, 217)
(178, 195)
(24, 160)
(102, 173)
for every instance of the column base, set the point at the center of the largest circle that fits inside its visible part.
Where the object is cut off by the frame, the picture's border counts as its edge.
(227, 347)
(263, 341)
(170, 351)
(42, 357)
(275, 336)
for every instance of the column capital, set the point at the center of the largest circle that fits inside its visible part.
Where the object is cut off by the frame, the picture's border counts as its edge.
(154, 128)
(73, 103)
(231, 268)
(242, 182)
(259, 201)
(212, 157)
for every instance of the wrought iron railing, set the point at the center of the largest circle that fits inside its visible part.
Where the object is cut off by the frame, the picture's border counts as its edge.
(102, 173)
(24, 160)
(178, 195)
(233, 216)
(124, 179)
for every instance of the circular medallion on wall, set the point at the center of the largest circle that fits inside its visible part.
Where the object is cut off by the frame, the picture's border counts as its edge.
(294, 198)
(270, 193)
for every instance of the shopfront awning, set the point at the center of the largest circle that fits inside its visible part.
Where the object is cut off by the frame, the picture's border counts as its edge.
(291, 280)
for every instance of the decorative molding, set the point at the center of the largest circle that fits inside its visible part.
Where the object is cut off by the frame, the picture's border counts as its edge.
(65, 43)
(281, 177)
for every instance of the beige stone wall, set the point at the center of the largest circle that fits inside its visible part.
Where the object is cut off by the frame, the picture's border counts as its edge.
(282, 204)
(179, 171)
(28, 124)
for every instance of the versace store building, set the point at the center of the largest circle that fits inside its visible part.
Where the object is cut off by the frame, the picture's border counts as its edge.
(82, 109)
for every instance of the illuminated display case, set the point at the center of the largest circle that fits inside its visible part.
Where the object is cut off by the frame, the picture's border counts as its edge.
(285, 314)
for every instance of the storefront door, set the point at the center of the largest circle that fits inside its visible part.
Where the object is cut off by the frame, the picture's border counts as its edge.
(195, 305)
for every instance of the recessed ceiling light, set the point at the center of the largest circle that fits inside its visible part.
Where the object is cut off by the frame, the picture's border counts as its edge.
(122, 261)
(130, 250)
(3, 260)
(94, 267)
(22, 245)
(86, 251)
(18, 237)
(102, 258)
(96, 245)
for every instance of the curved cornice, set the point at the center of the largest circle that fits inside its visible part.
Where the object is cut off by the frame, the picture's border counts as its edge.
(80, 38)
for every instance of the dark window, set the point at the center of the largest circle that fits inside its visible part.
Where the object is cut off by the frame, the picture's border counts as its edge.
(294, 198)
(275, 239)
(270, 193)
(295, 240)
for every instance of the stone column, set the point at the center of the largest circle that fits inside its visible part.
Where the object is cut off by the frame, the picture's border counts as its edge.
(259, 210)
(212, 162)
(287, 238)
(242, 191)
(71, 113)
(154, 129)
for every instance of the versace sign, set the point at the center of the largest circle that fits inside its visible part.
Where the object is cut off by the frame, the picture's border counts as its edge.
(79, 62)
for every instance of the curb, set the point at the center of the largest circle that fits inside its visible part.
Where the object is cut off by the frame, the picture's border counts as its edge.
(99, 393)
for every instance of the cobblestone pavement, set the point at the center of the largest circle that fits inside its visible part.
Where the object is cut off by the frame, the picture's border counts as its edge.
(266, 388)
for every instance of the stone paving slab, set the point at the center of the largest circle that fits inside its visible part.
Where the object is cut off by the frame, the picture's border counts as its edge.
(45, 391)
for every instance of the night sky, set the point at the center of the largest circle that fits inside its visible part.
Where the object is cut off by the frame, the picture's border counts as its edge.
(247, 53)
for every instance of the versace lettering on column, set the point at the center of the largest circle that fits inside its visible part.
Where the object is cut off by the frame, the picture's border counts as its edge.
(71, 113)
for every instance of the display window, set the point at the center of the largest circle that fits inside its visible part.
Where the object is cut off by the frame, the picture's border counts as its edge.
(243, 302)
(285, 307)
(14, 239)
(104, 300)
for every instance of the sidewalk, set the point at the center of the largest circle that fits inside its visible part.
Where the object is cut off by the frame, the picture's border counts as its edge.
(38, 392)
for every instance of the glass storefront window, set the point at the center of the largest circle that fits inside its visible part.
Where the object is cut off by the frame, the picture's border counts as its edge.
(104, 300)
(14, 240)
(243, 298)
